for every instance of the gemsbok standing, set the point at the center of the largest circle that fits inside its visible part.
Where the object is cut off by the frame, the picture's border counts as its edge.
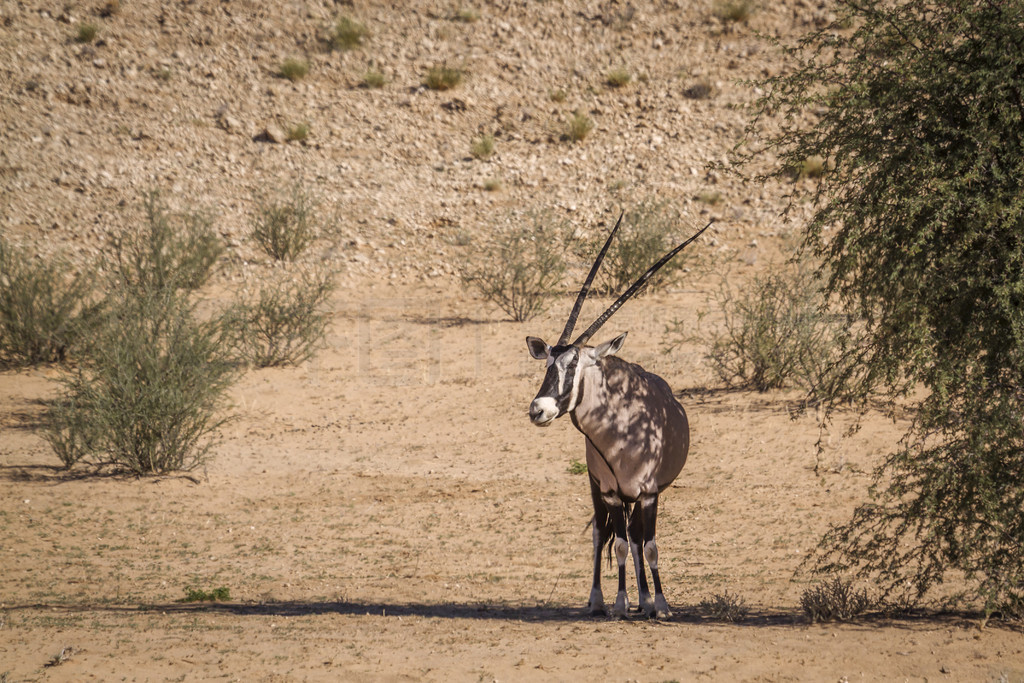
(636, 432)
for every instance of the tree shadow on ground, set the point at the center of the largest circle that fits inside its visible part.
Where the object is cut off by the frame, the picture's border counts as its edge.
(57, 474)
(538, 614)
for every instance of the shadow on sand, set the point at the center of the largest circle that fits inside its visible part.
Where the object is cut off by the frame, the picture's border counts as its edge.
(538, 614)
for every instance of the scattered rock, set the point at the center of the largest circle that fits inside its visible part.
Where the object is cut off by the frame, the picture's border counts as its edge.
(274, 133)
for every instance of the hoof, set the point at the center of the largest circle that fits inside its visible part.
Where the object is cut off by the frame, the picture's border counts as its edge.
(596, 604)
(646, 605)
(660, 609)
(621, 609)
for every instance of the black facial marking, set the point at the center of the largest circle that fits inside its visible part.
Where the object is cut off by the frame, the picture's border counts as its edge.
(558, 380)
(570, 373)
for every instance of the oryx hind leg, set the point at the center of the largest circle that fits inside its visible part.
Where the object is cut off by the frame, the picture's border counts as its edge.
(636, 544)
(602, 531)
(649, 511)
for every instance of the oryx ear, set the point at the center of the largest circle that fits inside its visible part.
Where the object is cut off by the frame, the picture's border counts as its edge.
(538, 348)
(609, 348)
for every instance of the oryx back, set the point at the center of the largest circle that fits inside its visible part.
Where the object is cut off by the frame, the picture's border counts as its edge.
(637, 433)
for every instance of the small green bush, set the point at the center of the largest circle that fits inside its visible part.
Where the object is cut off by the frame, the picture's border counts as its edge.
(348, 34)
(151, 376)
(733, 11)
(618, 77)
(580, 126)
(174, 251)
(522, 267)
(44, 307)
(466, 15)
(298, 132)
(834, 600)
(812, 166)
(442, 77)
(374, 79)
(86, 33)
(285, 321)
(701, 89)
(221, 594)
(284, 226)
(146, 392)
(778, 333)
(294, 69)
(648, 232)
(482, 147)
(577, 467)
(709, 197)
(724, 607)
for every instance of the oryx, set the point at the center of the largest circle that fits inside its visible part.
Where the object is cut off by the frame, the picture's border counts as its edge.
(636, 433)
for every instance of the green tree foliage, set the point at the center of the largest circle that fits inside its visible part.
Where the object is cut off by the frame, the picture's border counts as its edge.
(920, 220)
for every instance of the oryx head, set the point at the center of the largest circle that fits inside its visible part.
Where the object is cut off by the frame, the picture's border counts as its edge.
(560, 392)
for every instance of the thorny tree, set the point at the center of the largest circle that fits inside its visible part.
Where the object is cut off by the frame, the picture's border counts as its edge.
(920, 222)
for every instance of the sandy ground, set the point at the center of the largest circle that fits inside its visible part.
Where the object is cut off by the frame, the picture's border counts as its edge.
(386, 511)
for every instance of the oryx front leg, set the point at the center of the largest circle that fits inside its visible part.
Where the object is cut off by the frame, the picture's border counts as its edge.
(617, 513)
(602, 532)
(649, 511)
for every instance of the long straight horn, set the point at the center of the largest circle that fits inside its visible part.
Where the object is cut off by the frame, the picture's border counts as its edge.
(624, 297)
(582, 296)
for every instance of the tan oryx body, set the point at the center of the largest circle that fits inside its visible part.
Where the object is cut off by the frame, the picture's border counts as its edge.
(637, 439)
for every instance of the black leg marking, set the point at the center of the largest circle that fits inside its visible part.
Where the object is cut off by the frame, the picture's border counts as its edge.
(649, 512)
(636, 546)
(602, 531)
(617, 512)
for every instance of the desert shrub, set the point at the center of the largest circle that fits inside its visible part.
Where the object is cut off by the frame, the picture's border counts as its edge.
(735, 11)
(482, 147)
(298, 132)
(577, 467)
(701, 89)
(86, 33)
(709, 197)
(286, 224)
(172, 251)
(442, 77)
(919, 219)
(220, 594)
(579, 127)
(145, 395)
(285, 321)
(618, 77)
(834, 600)
(44, 307)
(294, 69)
(374, 79)
(724, 607)
(778, 332)
(151, 377)
(521, 267)
(493, 184)
(649, 231)
(348, 34)
(466, 15)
